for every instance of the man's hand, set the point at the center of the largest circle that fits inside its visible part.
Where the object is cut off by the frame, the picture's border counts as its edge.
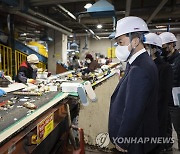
(120, 149)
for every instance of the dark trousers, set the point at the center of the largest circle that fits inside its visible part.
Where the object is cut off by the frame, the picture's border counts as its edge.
(174, 119)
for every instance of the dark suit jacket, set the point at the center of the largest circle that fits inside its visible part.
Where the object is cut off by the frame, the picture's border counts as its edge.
(133, 108)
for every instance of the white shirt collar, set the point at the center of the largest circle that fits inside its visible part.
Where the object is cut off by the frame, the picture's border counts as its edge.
(133, 57)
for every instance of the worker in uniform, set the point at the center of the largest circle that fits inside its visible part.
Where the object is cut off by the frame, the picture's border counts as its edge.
(172, 56)
(153, 45)
(28, 70)
(91, 63)
(133, 114)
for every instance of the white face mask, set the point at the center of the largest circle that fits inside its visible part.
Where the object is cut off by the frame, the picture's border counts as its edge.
(122, 52)
(33, 66)
(88, 61)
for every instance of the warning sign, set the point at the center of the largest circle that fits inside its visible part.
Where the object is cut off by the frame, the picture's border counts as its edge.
(45, 127)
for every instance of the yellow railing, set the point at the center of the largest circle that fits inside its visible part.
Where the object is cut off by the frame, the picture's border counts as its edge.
(41, 65)
(6, 59)
(19, 58)
(6, 64)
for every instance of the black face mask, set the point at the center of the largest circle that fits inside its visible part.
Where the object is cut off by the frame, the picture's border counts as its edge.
(164, 52)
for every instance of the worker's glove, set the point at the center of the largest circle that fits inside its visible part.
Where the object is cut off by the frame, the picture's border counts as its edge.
(31, 81)
(2, 92)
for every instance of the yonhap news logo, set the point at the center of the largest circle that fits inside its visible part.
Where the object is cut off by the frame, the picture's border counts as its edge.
(102, 140)
(143, 140)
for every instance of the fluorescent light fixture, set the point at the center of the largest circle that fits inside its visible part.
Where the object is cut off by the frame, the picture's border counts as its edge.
(24, 34)
(98, 37)
(70, 35)
(161, 26)
(88, 5)
(91, 32)
(37, 31)
(99, 26)
(69, 13)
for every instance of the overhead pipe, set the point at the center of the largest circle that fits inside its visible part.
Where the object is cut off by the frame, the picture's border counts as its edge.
(165, 24)
(67, 12)
(48, 19)
(128, 7)
(41, 22)
(165, 30)
(114, 23)
(43, 2)
(151, 30)
(156, 11)
(75, 19)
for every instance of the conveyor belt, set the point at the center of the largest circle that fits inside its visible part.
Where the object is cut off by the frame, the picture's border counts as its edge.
(11, 116)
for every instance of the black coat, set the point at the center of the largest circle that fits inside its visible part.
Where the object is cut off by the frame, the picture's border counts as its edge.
(25, 72)
(165, 93)
(174, 60)
(133, 109)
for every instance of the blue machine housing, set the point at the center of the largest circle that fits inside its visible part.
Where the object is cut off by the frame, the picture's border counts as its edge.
(27, 50)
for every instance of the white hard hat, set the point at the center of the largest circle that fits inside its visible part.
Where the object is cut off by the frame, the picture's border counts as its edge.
(130, 24)
(32, 58)
(167, 37)
(153, 39)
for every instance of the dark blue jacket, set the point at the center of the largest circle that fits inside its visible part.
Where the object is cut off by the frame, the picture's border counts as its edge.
(25, 71)
(133, 108)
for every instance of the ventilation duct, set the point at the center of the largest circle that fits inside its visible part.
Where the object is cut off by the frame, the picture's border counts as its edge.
(102, 8)
(112, 35)
(115, 44)
(74, 45)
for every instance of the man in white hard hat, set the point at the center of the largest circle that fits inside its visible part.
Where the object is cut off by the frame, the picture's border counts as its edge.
(133, 115)
(28, 70)
(153, 45)
(173, 57)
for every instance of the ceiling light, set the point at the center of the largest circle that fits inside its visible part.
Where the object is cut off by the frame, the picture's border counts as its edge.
(70, 35)
(88, 5)
(161, 26)
(99, 26)
(37, 31)
(23, 34)
(98, 37)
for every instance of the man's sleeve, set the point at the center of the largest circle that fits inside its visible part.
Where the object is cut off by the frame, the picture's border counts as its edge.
(34, 74)
(22, 77)
(137, 95)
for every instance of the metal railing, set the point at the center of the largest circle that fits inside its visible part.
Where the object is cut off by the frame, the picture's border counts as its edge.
(6, 63)
(6, 60)
(19, 58)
